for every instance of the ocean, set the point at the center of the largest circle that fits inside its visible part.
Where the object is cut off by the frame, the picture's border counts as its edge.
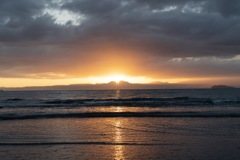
(188, 124)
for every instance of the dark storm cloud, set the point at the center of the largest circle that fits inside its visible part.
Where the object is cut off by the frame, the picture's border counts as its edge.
(193, 28)
(159, 29)
(20, 9)
(223, 7)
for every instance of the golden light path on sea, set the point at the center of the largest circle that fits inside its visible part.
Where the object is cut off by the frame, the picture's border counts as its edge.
(119, 149)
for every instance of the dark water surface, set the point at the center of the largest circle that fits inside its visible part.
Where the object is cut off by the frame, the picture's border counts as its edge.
(120, 103)
(125, 124)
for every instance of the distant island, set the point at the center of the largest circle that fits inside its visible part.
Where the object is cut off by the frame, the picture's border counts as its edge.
(221, 87)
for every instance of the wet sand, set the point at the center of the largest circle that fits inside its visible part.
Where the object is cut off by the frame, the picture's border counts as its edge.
(121, 138)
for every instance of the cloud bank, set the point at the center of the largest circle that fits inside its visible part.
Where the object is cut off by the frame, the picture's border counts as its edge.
(161, 39)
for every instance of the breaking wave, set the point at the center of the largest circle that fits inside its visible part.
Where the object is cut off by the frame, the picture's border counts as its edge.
(127, 102)
(121, 114)
(150, 102)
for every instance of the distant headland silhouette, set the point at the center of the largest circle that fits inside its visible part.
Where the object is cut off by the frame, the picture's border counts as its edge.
(221, 87)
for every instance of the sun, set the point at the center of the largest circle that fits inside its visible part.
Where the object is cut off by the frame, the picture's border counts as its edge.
(117, 78)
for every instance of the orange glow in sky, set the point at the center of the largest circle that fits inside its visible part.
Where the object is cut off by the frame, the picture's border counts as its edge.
(23, 82)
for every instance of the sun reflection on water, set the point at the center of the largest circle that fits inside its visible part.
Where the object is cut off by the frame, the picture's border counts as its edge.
(118, 109)
(118, 94)
(118, 139)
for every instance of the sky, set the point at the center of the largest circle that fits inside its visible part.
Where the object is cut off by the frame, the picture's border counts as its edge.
(52, 42)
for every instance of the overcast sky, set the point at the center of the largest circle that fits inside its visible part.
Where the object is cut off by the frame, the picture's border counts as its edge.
(161, 39)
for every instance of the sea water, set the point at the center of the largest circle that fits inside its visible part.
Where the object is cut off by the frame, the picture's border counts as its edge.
(120, 124)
